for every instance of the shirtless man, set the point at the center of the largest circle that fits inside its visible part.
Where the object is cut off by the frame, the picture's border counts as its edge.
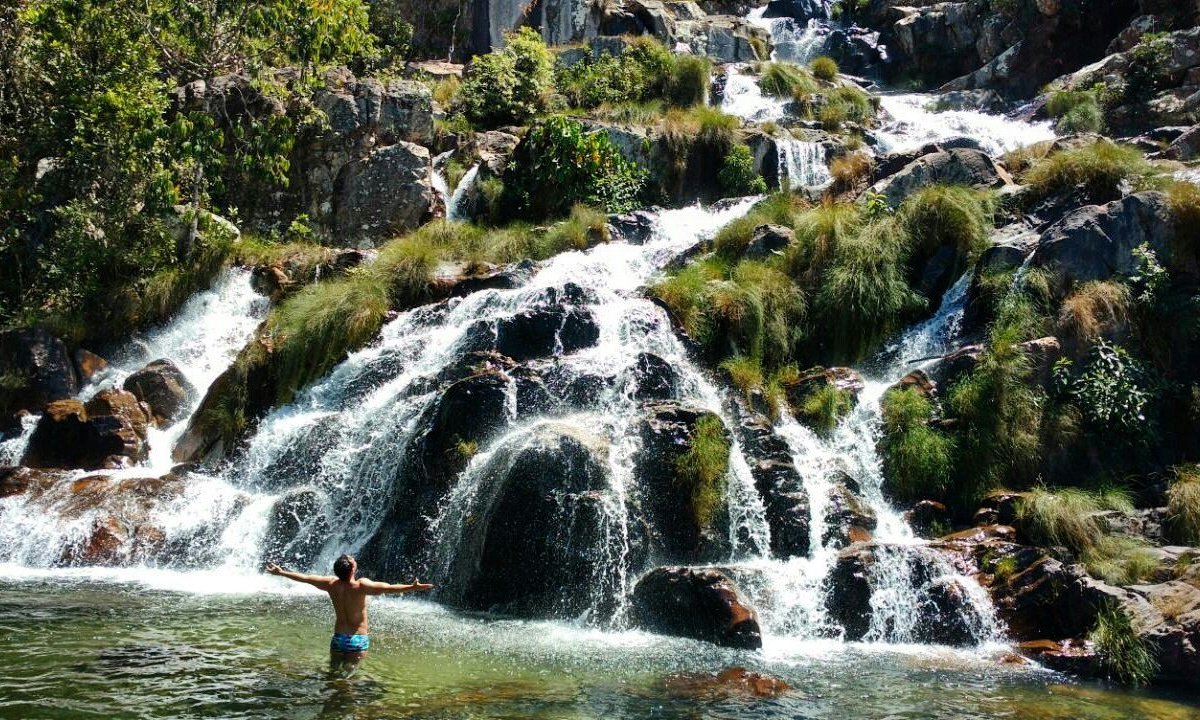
(349, 596)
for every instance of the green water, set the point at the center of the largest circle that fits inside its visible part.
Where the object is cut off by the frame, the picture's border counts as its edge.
(82, 648)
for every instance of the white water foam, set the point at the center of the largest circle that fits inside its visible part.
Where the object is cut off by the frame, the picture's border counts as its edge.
(915, 123)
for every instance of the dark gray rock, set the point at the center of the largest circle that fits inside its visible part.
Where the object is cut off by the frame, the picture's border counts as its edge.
(164, 388)
(699, 603)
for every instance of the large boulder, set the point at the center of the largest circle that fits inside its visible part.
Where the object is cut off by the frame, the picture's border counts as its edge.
(385, 193)
(960, 166)
(699, 603)
(540, 536)
(801, 10)
(109, 431)
(779, 484)
(165, 390)
(37, 369)
(942, 610)
(685, 526)
(1097, 242)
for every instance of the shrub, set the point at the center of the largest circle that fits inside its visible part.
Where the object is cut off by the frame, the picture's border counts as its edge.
(1112, 391)
(917, 459)
(1067, 517)
(688, 82)
(1099, 168)
(941, 215)
(824, 68)
(509, 85)
(1183, 506)
(1126, 656)
(737, 175)
(582, 167)
(1147, 61)
(641, 73)
(701, 470)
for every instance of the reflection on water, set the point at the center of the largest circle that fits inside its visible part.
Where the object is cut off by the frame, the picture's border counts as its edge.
(114, 651)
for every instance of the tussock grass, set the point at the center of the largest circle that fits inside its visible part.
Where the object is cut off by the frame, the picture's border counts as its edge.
(1019, 160)
(1099, 168)
(942, 215)
(1127, 657)
(824, 68)
(1183, 506)
(824, 408)
(850, 170)
(687, 85)
(1087, 312)
(917, 459)
(745, 373)
(819, 232)
(1076, 111)
(702, 469)
(785, 80)
(1067, 516)
(1120, 560)
(1184, 198)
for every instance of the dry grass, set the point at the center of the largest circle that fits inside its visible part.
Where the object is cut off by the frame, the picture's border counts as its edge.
(850, 170)
(1092, 310)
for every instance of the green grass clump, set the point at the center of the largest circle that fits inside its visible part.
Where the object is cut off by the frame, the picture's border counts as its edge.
(1067, 516)
(1099, 169)
(1183, 506)
(688, 83)
(1076, 111)
(1120, 560)
(947, 215)
(1087, 312)
(702, 469)
(785, 80)
(1126, 656)
(917, 459)
(863, 296)
(1004, 568)
(745, 373)
(732, 240)
(819, 231)
(824, 408)
(824, 68)
(1184, 198)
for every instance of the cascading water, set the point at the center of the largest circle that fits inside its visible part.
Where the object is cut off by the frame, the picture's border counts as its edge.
(743, 97)
(452, 196)
(802, 163)
(916, 122)
(793, 42)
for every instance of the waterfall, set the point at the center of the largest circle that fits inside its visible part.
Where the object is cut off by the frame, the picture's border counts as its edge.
(802, 163)
(13, 448)
(916, 122)
(743, 98)
(452, 197)
(793, 42)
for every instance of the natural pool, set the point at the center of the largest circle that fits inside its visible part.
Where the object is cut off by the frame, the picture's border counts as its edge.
(79, 646)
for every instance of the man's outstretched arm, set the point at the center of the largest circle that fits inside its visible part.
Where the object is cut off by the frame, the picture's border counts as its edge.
(382, 588)
(320, 581)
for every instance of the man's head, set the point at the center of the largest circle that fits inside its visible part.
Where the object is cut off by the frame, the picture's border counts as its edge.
(344, 567)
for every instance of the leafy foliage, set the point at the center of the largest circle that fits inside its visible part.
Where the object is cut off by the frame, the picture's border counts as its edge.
(737, 175)
(510, 85)
(583, 168)
(1112, 390)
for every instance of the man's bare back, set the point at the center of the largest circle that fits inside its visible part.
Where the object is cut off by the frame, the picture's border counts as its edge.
(348, 594)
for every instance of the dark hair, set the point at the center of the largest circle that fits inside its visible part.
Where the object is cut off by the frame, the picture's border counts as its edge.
(343, 567)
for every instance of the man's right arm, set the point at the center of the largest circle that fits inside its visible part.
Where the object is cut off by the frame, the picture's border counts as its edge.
(320, 581)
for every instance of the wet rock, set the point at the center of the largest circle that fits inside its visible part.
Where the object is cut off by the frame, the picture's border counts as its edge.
(734, 682)
(385, 193)
(669, 498)
(1097, 242)
(654, 378)
(769, 240)
(845, 380)
(110, 431)
(163, 387)
(1185, 147)
(88, 364)
(38, 368)
(635, 228)
(999, 508)
(848, 519)
(1077, 657)
(785, 501)
(801, 10)
(927, 517)
(918, 381)
(956, 365)
(297, 528)
(537, 540)
(537, 333)
(950, 167)
(699, 603)
(943, 610)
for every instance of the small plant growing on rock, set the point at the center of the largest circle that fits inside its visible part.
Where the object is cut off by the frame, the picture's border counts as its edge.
(1113, 391)
(702, 470)
(1076, 111)
(824, 68)
(1100, 169)
(917, 459)
(824, 408)
(510, 85)
(737, 175)
(1126, 656)
(1183, 506)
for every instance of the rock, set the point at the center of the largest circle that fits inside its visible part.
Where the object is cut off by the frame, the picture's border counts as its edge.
(88, 364)
(387, 112)
(813, 380)
(731, 683)
(635, 228)
(999, 508)
(537, 333)
(297, 529)
(385, 193)
(956, 365)
(949, 167)
(1077, 657)
(654, 378)
(698, 603)
(944, 613)
(164, 388)
(1097, 242)
(537, 541)
(668, 499)
(800, 10)
(779, 484)
(848, 519)
(110, 431)
(39, 370)
(1185, 147)
(769, 240)
(927, 517)
(918, 381)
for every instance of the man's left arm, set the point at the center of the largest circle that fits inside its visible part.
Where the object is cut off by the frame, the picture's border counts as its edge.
(382, 588)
